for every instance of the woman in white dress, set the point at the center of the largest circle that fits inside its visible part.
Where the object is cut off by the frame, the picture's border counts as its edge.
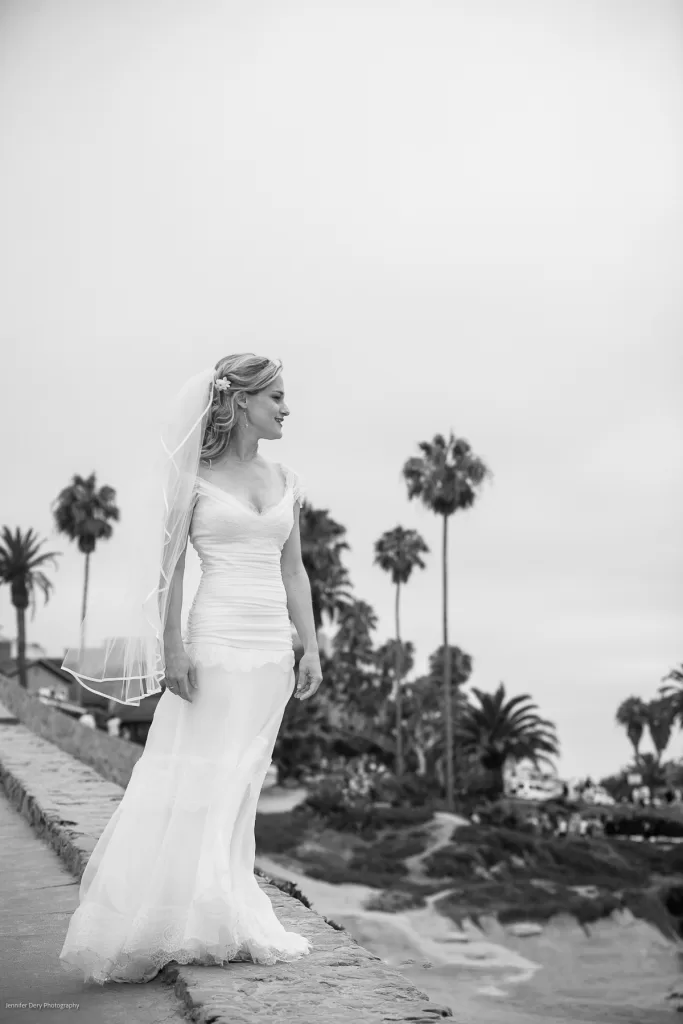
(172, 875)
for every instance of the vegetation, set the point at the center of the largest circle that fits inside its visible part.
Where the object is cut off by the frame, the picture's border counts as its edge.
(632, 715)
(22, 565)
(446, 478)
(398, 552)
(658, 717)
(83, 512)
(506, 872)
(500, 730)
(322, 543)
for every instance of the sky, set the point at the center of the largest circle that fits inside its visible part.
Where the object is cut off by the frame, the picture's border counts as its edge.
(440, 216)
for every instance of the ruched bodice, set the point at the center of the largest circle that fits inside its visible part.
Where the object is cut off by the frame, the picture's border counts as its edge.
(241, 600)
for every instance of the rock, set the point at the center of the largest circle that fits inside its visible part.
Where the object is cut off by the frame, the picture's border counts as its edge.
(587, 891)
(524, 929)
(542, 883)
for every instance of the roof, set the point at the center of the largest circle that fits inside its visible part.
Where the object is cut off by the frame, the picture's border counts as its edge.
(52, 665)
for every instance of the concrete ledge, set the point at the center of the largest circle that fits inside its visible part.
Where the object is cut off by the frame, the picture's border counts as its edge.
(340, 982)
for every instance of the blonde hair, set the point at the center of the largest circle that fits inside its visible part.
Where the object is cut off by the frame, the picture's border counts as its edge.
(247, 374)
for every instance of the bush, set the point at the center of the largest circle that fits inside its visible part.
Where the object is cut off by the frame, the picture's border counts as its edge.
(575, 859)
(392, 901)
(281, 833)
(643, 822)
(410, 789)
(349, 800)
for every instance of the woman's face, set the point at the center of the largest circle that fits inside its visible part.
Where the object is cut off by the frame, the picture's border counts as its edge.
(267, 409)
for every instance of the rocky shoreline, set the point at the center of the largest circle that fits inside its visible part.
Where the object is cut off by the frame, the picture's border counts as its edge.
(451, 942)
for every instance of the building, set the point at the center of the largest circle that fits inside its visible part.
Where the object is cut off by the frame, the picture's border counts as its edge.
(525, 779)
(46, 674)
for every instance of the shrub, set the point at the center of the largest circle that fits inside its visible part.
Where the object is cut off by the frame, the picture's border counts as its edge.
(575, 859)
(375, 859)
(282, 832)
(410, 789)
(348, 800)
(392, 901)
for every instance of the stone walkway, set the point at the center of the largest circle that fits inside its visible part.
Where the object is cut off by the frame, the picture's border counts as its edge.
(37, 896)
(68, 804)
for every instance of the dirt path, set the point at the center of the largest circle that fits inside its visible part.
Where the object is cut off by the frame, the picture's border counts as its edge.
(441, 827)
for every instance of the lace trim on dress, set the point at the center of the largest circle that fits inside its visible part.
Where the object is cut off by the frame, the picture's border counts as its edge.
(236, 659)
(150, 948)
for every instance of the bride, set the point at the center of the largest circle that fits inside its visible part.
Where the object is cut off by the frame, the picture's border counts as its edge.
(172, 875)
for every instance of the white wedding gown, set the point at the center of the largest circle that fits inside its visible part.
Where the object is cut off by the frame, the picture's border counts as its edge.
(172, 875)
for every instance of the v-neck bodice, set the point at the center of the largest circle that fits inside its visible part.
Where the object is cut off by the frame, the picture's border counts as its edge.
(202, 482)
(241, 599)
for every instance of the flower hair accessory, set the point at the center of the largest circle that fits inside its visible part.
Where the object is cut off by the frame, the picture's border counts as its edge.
(222, 384)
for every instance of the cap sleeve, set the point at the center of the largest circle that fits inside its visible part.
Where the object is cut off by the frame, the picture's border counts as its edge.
(297, 485)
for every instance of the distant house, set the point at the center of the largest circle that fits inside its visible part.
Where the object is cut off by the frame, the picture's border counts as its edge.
(46, 674)
(524, 778)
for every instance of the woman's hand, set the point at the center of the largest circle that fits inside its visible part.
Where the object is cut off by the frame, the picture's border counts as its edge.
(180, 672)
(310, 675)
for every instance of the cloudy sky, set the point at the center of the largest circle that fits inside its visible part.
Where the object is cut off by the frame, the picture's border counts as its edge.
(439, 215)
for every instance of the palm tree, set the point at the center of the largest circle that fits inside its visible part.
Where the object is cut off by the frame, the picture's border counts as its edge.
(673, 692)
(661, 714)
(21, 566)
(499, 729)
(632, 715)
(353, 640)
(385, 661)
(446, 478)
(676, 674)
(423, 708)
(82, 512)
(398, 552)
(651, 771)
(322, 543)
(460, 662)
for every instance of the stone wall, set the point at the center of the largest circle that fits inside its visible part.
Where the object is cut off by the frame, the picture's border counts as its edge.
(111, 757)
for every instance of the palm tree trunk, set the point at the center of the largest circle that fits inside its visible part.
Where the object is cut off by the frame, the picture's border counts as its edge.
(85, 597)
(21, 646)
(498, 779)
(399, 695)
(448, 711)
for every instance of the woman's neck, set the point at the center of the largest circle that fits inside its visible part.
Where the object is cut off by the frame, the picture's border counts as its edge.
(242, 450)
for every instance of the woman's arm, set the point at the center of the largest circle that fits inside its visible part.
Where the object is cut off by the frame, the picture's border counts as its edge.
(180, 674)
(298, 588)
(172, 631)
